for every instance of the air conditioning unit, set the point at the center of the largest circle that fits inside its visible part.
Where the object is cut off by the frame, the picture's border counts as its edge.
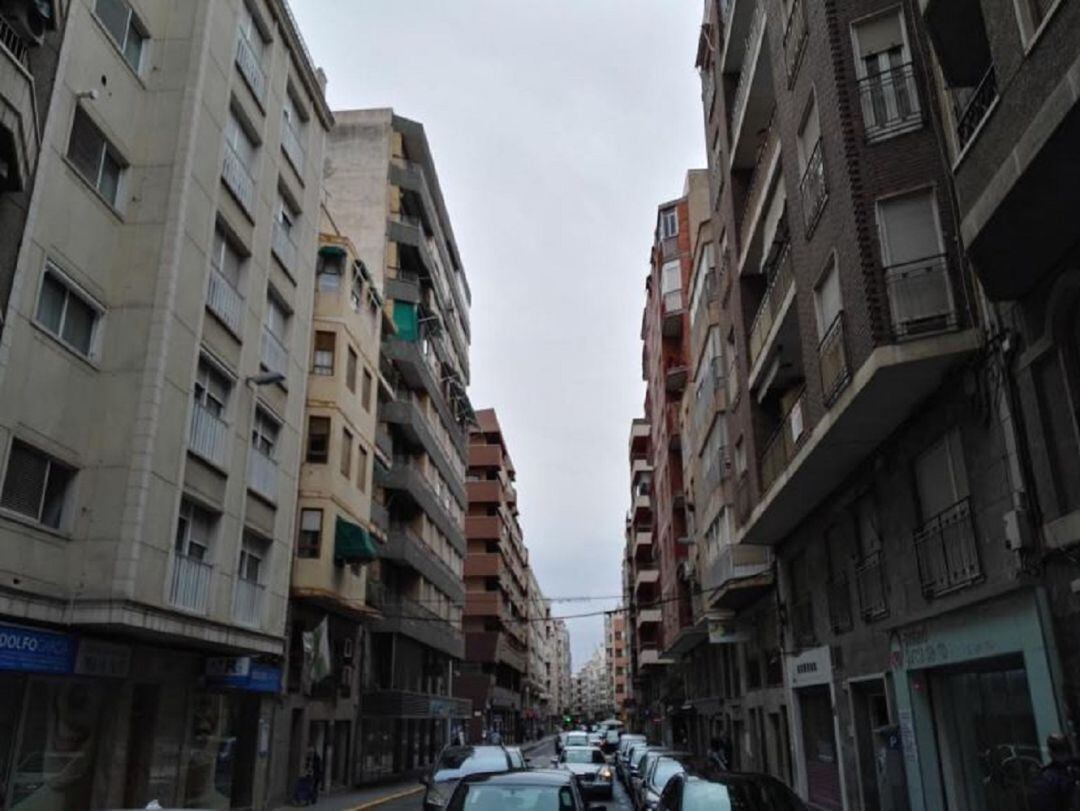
(30, 18)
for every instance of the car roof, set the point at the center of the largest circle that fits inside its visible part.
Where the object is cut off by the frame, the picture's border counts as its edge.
(535, 777)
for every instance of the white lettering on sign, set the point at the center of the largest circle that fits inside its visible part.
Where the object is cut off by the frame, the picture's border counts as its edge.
(806, 667)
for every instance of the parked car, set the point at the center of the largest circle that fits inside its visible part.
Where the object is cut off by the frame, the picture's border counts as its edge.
(622, 753)
(747, 792)
(590, 767)
(596, 739)
(611, 741)
(517, 757)
(637, 796)
(458, 762)
(660, 772)
(637, 767)
(537, 789)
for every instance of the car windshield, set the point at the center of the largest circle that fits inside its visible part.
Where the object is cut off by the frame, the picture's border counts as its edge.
(583, 754)
(485, 797)
(664, 771)
(577, 739)
(457, 762)
(744, 794)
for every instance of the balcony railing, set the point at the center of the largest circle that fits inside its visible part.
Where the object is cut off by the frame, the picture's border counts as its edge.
(209, 435)
(293, 146)
(248, 62)
(801, 616)
(947, 551)
(839, 599)
(673, 302)
(272, 354)
(774, 297)
(248, 602)
(870, 585)
(237, 180)
(812, 188)
(225, 301)
(890, 101)
(742, 90)
(281, 242)
(832, 354)
(14, 44)
(782, 445)
(756, 187)
(921, 297)
(262, 475)
(795, 34)
(190, 586)
(975, 109)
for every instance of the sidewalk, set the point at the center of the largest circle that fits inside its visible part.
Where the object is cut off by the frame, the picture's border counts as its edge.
(361, 798)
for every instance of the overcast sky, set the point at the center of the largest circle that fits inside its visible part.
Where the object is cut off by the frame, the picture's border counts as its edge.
(557, 127)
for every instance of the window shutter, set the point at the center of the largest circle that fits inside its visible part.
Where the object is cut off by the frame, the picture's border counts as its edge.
(24, 483)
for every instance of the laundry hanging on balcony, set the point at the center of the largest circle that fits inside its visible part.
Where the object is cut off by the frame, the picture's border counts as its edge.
(352, 543)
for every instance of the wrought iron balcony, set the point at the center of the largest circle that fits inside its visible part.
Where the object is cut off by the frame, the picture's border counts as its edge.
(832, 355)
(871, 588)
(947, 551)
(977, 106)
(795, 36)
(921, 297)
(771, 303)
(783, 444)
(813, 189)
(890, 102)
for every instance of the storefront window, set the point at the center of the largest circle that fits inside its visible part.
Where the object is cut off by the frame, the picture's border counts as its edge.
(220, 751)
(819, 748)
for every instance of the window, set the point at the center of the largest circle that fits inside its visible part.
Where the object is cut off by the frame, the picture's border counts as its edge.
(286, 218)
(36, 485)
(324, 354)
(309, 544)
(252, 552)
(241, 143)
(827, 303)
(346, 452)
(704, 279)
(669, 223)
(328, 273)
(365, 392)
(941, 476)
(94, 157)
(293, 129)
(275, 357)
(670, 277)
(362, 473)
(120, 21)
(350, 370)
(318, 447)
(194, 531)
(740, 457)
(225, 259)
(212, 389)
(65, 313)
(250, 31)
(264, 433)
(809, 133)
(890, 101)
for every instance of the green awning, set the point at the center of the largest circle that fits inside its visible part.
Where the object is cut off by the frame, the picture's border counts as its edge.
(331, 250)
(406, 321)
(352, 543)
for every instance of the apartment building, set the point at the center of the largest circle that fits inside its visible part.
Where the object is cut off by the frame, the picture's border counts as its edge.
(496, 623)
(866, 428)
(561, 678)
(386, 197)
(30, 37)
(152, 372)
(594, 699)
(336, 537)
(536, 692)
(616, 645)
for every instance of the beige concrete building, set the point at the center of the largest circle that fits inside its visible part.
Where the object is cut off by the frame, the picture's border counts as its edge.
(152, 373)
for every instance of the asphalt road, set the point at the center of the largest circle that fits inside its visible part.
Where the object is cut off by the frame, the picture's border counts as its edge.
(541, 759)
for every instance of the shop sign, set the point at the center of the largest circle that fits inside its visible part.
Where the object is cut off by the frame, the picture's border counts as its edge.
(243, 674)
(102, 659)
(33, 651)
(441, 709)
(810, 667)
(223, 667)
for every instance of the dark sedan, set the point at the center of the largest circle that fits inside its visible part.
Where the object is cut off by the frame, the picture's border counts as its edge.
(747, 792)
(536, 790)
(590, 767)
(458, 762)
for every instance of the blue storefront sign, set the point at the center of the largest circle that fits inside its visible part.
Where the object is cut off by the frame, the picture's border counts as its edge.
(241, 673)
(32, 651)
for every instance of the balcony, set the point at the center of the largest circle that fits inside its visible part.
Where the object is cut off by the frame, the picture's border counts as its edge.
(238, 180)
(273, 356)
(781, 447)
(225, 302)
(832, 357)
(484, 565)
(795, 35)
(674, 314)
(485, 492)
(921, 297)
(970, 116)
(773, 311)
(643, 544)
(645, 578)
(209, 435)
(247, 608)
(262, 475)
(406, 480)
(947, 551)
(419, 369)
(415, 430)
(870, 586)
(486, 456)
(281, 243)
(737, 576)
(639, 467)
(813, 190)
(759, 189)
(406, 549)
(484, 604)
(890, 103)
(292, 144)
(189, 588)
(753, 101)
(649, 616)
(484, 528)
(676, 373)
(247, 61)
(642, 506)
(405, 616)
(20, 140)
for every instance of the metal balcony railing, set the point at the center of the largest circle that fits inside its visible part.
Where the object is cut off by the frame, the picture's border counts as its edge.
(14, 45)
(742, 90)
(813, 189)
(756, 187)
(248, 62)
(281, 242)
(832, 355)
(262, 475)
(238, 180)
(190, 586)
(293, 145)
(272, 353)
(225, 301)
(248, 602)
(870, 586)
(775, 294)
(209, 435)
(795, 35)
(839, 600)
(947, 551)
(921, 297)
(890, 101)
(801, 616)
(781, 447)
(976, 107)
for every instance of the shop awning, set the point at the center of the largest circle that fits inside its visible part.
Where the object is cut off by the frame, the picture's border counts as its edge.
(352, 543)
(331, 250)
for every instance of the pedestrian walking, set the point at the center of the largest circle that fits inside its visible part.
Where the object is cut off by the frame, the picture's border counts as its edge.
(1057, 787)
(315, 770)
(717, 757)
